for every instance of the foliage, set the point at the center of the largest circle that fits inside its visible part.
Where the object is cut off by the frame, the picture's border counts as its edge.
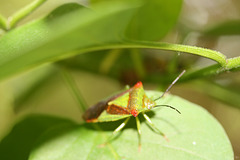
(190, 134)
(110, 38)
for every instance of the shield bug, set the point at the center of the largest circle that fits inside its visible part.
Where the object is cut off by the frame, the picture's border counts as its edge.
(128, 103)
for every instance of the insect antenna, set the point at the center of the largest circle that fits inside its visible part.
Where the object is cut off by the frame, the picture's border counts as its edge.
(165, 105)
(170, 86)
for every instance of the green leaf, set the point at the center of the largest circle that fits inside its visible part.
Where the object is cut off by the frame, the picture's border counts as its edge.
(154, 19)
(226, 28)
(71, 30)
(194, 135)
(18, 143)
(62, 35)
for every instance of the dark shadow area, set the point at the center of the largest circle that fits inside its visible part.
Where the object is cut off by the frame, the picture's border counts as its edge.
(21, 139)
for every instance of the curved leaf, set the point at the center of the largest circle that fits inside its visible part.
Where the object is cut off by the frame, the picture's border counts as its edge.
(59, 36)
(18, 143)
(193, 135)
(226, 28)
(71, 30)
(154, 19)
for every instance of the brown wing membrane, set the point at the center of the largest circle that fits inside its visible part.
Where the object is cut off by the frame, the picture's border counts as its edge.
(94, 111)
(114, 109)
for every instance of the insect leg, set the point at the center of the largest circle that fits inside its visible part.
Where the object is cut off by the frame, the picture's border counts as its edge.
(139, 134)
(154, 127)
(119, 128)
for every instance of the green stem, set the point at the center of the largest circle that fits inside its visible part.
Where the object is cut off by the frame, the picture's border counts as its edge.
(207, 53)
(203, 52)
(233, 63)
(137, 61)
(74, 89)
(19, 15)
(109, 60)
(3, 22)
(172, 65)
(223, 65)
(224, 94)
(203, 73)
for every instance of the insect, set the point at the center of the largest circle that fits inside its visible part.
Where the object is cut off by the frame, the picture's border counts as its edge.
(128, 103)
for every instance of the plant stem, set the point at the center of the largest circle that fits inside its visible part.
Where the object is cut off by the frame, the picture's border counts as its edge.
(223, 65)
(137, 61)
(204, 72)
(203, 52)
(3, 22)
(207, 53)
(74, 89)
(109, 60)
(222, 93)
(233, 63)
(19, 15)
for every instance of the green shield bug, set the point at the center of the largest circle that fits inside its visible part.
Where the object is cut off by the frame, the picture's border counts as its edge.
(128, 103)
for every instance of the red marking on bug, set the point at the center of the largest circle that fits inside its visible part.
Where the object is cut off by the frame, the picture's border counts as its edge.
(134, 112)
(91, 120)
(138, 84)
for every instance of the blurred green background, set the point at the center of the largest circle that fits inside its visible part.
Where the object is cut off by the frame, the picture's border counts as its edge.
(43, 89)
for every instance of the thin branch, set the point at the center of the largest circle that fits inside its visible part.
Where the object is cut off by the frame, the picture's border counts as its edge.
(22, 13)
(74, 89)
